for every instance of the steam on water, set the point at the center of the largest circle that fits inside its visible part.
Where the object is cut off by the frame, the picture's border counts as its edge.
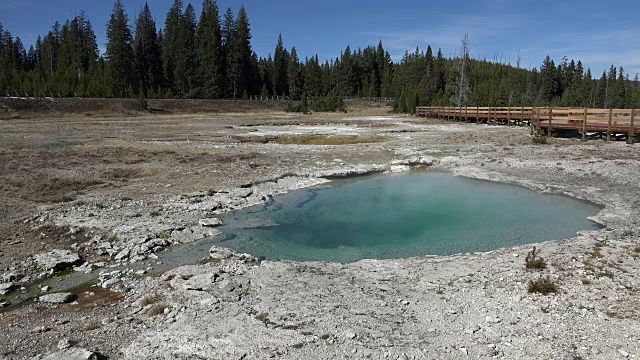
(402, 216)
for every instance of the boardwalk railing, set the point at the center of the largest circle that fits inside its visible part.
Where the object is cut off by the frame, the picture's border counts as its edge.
(609, 123)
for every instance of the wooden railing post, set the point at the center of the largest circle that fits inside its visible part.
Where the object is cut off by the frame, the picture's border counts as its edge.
(477, 115)
(631, 134)
(609, 126)
(537, 122)
(584, 125)
(521, 115)
(466, 114)
(509, 116)
(549, 128)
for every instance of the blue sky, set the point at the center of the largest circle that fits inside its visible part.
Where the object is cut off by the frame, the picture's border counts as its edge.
(600, 33)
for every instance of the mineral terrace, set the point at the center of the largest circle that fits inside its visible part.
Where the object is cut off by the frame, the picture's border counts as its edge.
(96, 196)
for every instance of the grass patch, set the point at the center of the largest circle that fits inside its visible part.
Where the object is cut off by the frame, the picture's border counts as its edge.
(112, 237)
(123, 174)
(533, 261)
(59, 190)
(149, 299)
(120, 173)
(543, 285)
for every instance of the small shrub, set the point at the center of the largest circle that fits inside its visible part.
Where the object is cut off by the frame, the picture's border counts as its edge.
(113, 237)
(544, 286)
(157, 309)
(540, 139)
(142, 104)
(596, 252)
(606, 273)
(264, 317)
(92, 325)
(586, 282)
(532, 261)
(636, 250)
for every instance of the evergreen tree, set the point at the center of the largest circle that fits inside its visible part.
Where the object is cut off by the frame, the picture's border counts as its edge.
(119, 52)
(171, 45)
(440, 75)
(294, 75)
(586, 90)
(146, 47)
(312, 77)
(209, 51)
(280, 64)
(549, 86)
(185, 64)
(242, 56)
(602, 92)
(619, 92)
(231, 71)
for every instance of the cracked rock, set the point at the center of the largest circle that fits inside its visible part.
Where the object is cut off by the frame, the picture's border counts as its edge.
(57, 260)
(57, 298)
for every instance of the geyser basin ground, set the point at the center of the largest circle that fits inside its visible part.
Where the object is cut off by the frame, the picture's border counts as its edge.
(397, 216)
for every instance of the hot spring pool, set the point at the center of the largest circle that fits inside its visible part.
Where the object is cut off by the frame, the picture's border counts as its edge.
(397, 216)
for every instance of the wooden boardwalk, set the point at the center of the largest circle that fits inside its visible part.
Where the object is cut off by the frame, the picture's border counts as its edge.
(609, 124)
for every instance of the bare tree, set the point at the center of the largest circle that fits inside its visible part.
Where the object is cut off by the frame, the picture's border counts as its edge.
(462, 83)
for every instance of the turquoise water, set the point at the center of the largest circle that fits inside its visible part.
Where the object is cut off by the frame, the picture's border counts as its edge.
(396, 216)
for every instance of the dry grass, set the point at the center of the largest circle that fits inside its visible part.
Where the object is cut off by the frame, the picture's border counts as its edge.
(157, 309)
(149, 299)
(53, 190)
(317, 139)
(92, 325)
(130, 173)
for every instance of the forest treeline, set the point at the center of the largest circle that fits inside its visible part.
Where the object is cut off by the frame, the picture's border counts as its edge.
(211, 57)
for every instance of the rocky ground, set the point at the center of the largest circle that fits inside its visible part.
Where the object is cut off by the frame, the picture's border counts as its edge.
(103, 194)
